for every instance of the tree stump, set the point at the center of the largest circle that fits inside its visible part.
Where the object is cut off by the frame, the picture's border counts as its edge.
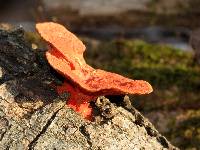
(33, 116)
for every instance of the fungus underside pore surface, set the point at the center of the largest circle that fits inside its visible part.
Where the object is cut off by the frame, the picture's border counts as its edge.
(65, 55)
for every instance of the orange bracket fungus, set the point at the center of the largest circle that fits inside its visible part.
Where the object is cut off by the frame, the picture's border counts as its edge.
(83, 82)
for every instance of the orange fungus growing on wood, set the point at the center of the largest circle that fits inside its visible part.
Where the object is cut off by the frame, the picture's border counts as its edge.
(66, 56)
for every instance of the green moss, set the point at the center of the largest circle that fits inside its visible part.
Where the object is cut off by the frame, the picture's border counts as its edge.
(162, 66)
(34, 38)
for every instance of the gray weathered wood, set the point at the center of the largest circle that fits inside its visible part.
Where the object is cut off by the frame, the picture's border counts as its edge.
(33, 116)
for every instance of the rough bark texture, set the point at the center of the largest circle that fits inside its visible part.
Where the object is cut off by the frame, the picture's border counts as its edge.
(33, 116)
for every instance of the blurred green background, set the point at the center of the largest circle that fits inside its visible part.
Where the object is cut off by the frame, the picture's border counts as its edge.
(146, 39)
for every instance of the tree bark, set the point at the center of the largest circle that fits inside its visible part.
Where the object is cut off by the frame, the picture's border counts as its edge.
(33, 116)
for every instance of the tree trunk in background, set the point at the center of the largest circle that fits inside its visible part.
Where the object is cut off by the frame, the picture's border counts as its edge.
(127, 13)
(195, 43)
(113, 7)
(33, 116)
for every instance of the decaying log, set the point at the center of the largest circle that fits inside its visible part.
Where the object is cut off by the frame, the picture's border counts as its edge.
(33, 116)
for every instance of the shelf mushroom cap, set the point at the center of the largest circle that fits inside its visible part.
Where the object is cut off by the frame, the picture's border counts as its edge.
(66, 56)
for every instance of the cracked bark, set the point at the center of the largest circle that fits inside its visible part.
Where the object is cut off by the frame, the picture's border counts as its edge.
(33, 116)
